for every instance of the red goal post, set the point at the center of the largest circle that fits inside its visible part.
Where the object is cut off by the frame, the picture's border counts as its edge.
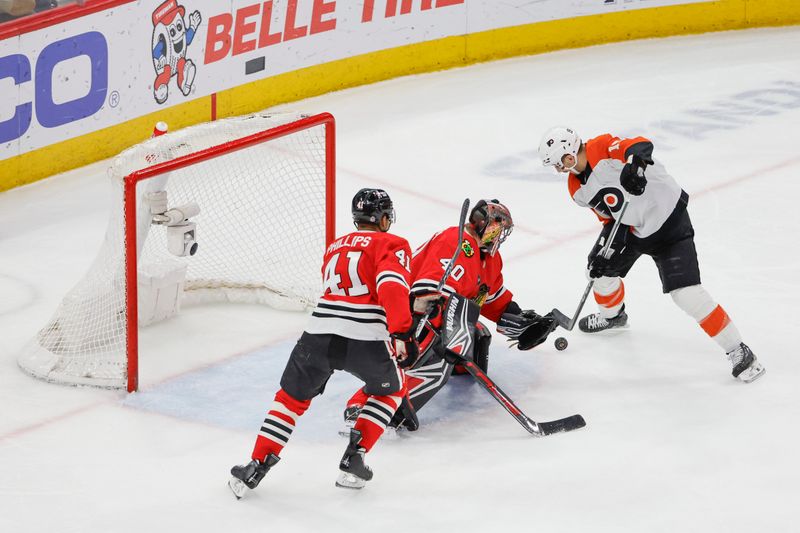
(131, 180)
(233, 201)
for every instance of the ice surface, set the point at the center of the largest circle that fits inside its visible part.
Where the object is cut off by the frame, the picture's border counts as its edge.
(672, 442)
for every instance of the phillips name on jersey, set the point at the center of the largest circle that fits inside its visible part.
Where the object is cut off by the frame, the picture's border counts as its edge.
(366, 277)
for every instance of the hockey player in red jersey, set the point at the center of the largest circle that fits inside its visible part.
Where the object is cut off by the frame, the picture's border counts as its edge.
(477, 275)
(362, 324)
(606, 171)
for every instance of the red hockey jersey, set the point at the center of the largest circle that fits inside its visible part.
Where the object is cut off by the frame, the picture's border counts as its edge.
(480, 279)
(365, 277)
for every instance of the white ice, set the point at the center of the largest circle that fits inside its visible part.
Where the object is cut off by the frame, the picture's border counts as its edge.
(673, 443)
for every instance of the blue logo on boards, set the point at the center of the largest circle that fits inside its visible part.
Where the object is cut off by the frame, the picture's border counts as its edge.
(49, 112)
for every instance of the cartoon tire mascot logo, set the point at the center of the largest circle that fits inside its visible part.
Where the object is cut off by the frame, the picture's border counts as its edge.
(171, 36)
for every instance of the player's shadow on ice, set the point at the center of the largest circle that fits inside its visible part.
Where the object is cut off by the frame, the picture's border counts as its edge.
(237, 393)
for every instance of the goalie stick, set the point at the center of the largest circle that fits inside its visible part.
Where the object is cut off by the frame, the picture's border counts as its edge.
(537, 429)
(563, 320)
(458, 339)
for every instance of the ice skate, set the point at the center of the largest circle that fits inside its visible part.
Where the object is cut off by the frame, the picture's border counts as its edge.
(247, 477)
(595, 323)
(355, 473)
(745, 365)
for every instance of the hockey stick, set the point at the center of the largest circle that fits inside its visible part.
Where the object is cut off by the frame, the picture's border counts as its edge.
(537, 429)
(426, 317)
(563, 320)
(458, 340)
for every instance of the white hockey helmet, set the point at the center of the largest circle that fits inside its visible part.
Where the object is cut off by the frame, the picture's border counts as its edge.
(556, 143)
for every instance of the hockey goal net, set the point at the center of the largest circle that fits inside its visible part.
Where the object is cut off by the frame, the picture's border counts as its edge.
(206, 213)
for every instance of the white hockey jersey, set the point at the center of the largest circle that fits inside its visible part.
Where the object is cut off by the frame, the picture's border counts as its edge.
(601, 190)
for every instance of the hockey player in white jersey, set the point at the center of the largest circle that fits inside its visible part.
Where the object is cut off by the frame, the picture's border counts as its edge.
(606, 171)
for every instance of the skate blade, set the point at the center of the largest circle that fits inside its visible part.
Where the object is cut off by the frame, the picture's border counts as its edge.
(238, 487)
(350, 481)
(345, 431)
(752, 373)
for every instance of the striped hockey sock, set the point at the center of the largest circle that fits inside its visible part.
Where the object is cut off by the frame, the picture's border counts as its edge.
(375, 416)
(609, 293)
(278, 425)
(358, 399)
(696, 301)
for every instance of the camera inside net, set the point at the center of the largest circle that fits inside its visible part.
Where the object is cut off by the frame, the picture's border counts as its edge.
(182, 239)
(181, 231)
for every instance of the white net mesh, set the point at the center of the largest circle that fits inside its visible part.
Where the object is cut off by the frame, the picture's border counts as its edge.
(260, 235)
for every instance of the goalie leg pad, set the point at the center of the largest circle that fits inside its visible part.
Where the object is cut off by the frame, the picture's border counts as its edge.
(425, 381)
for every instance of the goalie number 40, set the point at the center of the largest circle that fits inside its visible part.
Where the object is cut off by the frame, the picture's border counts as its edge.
(457, 272)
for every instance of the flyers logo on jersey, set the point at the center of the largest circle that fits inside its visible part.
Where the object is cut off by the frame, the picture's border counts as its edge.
(611, 200)
(469, 251)
(607, 200)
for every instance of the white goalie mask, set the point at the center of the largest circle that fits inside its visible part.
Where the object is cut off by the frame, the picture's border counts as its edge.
(555, 144)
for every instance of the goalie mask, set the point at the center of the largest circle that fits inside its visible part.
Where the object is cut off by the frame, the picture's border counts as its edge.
(492, 221)
(370, 205)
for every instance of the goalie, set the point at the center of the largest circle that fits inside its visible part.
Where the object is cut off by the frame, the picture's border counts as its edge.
(476, 275)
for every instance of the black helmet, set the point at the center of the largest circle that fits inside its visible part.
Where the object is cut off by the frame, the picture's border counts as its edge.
(492, 221)
(369, 206)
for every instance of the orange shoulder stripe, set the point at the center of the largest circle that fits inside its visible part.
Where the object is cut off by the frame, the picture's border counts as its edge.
(597, 148)
(607, 146)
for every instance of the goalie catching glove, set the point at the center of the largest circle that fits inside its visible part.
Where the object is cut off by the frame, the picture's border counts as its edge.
(526, 329)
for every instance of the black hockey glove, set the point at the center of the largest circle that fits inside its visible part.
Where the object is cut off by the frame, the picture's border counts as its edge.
(602, 267)
(536, 332)
(632, 177)
(513, 324)
(406, 348)
(599, 266)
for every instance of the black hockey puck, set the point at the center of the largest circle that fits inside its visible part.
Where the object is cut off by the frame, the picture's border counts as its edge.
(561, 344)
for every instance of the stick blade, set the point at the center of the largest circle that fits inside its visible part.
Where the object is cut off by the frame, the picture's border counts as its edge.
(562, 425)
(563, 320)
